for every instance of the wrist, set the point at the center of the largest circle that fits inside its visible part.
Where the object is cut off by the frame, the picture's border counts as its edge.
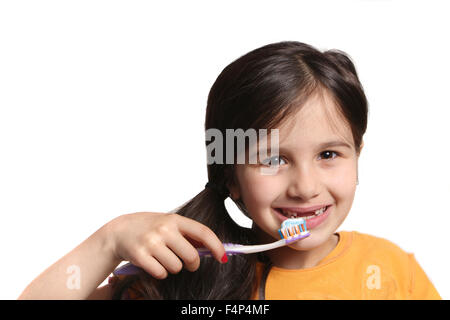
(109, 244)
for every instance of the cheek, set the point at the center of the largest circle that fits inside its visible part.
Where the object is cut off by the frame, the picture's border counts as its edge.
(258, 191)
(342, 187)
(343, 181)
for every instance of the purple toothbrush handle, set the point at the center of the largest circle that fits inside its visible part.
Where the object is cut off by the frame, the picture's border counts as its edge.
(130, 269)
(208, 253)
(127, 269)
(202, 252)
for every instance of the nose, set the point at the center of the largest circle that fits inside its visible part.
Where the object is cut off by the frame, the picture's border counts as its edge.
(304, 183)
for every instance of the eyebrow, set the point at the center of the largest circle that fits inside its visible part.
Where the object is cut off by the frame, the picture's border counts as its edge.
(334, 144)
(325, 145)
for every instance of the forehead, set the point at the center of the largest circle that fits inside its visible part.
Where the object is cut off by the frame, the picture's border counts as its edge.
(317, 121)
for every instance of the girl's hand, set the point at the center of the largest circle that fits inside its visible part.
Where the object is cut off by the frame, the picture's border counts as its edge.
(162, 242)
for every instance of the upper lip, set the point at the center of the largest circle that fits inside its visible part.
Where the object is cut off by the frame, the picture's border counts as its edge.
(303, 209)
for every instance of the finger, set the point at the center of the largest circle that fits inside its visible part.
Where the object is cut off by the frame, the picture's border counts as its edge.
(195, 243)
(201, 233)
(168, 259)
(151, 266)
(185, 251)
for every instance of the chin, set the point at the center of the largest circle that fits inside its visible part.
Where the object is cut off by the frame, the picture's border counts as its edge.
(317, 238)
(305, 244)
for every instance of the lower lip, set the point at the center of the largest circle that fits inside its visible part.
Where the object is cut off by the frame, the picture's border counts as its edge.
(312, 222)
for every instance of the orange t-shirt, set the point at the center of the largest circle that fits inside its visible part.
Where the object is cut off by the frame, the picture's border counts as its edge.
(361, 266)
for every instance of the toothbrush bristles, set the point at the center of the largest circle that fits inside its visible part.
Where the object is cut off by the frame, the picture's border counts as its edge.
(292, 228)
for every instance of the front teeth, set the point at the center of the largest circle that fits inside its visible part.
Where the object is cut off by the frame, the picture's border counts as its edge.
(320, 211)
(291, 214)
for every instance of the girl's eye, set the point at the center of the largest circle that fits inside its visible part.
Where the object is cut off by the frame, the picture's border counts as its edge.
(328, 155)
(273, 161)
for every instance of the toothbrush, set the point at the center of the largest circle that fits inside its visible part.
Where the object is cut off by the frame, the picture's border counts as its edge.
(291, 230)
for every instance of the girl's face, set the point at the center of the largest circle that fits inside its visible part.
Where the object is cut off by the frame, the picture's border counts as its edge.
(317, 166)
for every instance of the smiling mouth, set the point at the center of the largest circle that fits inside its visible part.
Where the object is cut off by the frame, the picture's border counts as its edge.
(304, 215)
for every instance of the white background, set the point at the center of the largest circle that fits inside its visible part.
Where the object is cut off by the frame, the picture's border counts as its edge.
(102, 110)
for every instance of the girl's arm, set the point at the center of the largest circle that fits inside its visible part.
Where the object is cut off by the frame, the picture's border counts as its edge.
(159, 243)
(78, 274)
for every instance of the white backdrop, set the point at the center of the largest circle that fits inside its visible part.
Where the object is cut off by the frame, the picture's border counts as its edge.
(102, 110)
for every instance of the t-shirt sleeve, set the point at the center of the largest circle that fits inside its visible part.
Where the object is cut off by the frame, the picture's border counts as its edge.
(421, 288)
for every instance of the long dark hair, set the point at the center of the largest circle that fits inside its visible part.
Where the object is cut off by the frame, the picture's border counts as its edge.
(259, 90)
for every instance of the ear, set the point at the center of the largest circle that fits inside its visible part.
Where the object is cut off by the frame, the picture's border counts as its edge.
(235, 194)
(233, 187)
(361, 147)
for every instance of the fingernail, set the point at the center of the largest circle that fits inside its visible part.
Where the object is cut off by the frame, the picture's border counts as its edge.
(224, 258)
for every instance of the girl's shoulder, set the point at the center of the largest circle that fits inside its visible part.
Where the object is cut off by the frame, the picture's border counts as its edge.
(374, 243)
(385, 260)
(378, 250)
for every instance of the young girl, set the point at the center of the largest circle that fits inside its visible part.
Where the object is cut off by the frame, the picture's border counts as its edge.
(317, 103)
